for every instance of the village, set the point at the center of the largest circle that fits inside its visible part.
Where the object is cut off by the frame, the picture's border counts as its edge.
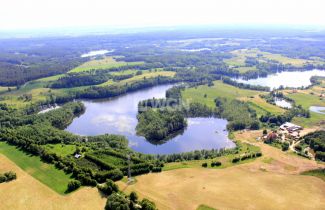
(288, 135)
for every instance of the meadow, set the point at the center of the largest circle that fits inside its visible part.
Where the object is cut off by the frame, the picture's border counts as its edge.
(104, 63)
(206, 94)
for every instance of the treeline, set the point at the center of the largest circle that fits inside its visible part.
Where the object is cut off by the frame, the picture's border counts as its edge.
(198, 154)
(277, 120)
(316, 141)
(238, 113)
(76, 80)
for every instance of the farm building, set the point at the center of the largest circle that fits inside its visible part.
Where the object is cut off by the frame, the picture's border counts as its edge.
(290, 127)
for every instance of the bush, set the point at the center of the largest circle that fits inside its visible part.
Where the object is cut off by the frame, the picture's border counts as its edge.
(117, 202)
(133, 197)
(148, 205)
(10, 176)
(108, 188)
(216, 163)
(236, 159)
(285, 146)
(73, 185)
(156, 169)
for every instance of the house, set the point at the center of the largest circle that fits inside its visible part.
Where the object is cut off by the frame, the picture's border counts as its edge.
(77, 156)
(290, 127)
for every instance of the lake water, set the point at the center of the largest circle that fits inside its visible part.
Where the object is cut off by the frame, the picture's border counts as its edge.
(96, 52)
(292, 79)
(317, 109)
(118, 116)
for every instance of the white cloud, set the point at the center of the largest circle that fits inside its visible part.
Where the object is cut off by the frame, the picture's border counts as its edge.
(17, 14)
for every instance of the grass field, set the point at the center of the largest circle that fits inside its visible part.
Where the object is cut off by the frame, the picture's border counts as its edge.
(105, 63)
(306, 99)
(219, 89)
(45, 173)
(61, 149)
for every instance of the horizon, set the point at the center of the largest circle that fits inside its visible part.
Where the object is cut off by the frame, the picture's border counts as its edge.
(47, 15)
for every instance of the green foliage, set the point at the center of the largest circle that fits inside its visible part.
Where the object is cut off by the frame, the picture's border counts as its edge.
(117, 201)
(158, 125)
(147, 205)
(8, 176)
(239, 114)
(108, 188)
(73, 185)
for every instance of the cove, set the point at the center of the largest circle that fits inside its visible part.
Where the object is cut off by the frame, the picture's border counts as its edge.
(118, 116)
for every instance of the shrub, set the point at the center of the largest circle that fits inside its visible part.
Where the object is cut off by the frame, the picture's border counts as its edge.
(236, 159)
(73, 185)
(147, 205)
(117, 202)
(108, 188)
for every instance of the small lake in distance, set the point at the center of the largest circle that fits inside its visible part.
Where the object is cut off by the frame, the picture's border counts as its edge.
(292, 79)
(118, 116)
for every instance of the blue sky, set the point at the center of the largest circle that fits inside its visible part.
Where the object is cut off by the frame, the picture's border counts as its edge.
(29, 14)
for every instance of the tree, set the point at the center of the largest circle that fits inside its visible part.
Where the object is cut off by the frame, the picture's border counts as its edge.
(117, 202)
(109, 187)
(147, 205)
(133, 197)
(73, 185)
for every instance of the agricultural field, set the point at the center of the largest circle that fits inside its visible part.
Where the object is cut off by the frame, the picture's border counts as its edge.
(104, 63)
(53, 178)
(272, 181)
(26, 192)
(240, 56)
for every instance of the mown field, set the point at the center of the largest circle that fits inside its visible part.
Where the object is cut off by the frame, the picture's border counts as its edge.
(205, 94)
(55, 179)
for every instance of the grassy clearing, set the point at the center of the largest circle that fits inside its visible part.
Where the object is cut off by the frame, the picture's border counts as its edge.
(105, 63)
(45, 173)
(51, 78)
(61, 149)
(219, 89)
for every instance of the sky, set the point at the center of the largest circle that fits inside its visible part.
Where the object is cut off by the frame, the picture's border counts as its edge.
(37, 14)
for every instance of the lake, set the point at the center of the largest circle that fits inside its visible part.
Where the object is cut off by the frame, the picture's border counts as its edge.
(317, 109)
(118, 116)
(96, 52)
(292, 79)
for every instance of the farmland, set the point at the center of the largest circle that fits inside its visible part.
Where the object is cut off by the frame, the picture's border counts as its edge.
(104, 63)
(46, 173)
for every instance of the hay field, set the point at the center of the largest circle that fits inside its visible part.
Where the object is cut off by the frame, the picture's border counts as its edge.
(28, 193)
